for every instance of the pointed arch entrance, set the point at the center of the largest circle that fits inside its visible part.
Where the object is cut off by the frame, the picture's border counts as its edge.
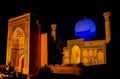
(75, 54)
(18, 48)
(21, 63)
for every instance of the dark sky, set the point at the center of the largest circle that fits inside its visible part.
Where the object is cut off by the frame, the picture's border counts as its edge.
(64, 13)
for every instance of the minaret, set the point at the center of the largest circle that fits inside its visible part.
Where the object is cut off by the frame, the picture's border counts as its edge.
(53, 31)
(107, 26)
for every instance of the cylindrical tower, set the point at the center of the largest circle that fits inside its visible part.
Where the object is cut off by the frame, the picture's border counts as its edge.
(53, 31)
(107, 26)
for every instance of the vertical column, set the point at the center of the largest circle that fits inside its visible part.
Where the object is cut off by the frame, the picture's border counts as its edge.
(53, 31)
(9, 43)
(107, 26)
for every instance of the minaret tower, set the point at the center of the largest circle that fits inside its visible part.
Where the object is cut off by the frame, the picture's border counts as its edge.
(53, 31)
(107, 26)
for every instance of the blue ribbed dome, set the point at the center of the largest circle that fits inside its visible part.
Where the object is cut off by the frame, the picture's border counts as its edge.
(86, 29)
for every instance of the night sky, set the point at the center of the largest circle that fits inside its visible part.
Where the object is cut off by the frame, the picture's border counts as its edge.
(63, 13)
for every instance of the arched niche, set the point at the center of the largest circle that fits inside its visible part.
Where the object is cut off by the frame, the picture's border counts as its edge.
(17, 47)
(18, 38)
(100, 57)
(75, 54)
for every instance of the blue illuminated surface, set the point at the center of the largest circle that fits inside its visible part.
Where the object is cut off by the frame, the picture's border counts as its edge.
(85, 29)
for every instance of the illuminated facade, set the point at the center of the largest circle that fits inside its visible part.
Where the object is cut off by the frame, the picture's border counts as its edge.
(27, 47)
(81, 51)
(87, 52)
(24, 44)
